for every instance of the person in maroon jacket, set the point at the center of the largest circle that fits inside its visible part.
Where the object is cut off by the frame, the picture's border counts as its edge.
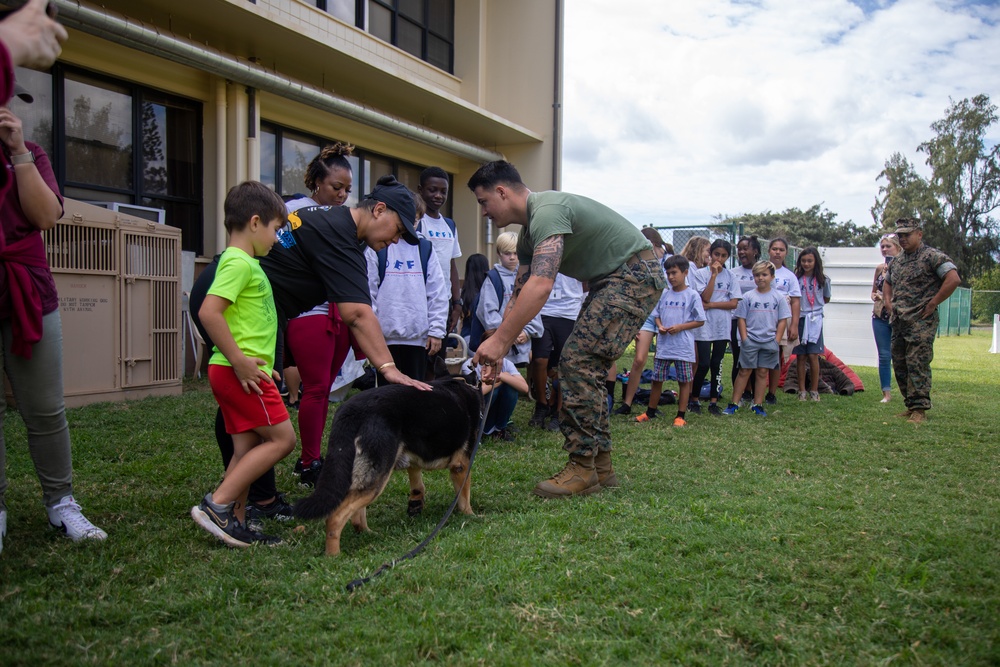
(30, 327)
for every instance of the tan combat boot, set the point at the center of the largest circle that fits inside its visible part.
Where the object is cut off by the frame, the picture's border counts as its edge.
(917, 417)
(605, 473)
(578, 478)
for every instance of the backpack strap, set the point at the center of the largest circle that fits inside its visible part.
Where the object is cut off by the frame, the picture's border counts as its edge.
(497, 281)
(426, 249)
(451, 225)
(382, 259)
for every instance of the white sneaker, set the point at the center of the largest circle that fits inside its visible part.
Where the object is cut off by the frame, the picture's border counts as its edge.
(3, 528)
(66, 515)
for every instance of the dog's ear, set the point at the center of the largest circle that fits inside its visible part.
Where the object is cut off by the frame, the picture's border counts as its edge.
(471, 378)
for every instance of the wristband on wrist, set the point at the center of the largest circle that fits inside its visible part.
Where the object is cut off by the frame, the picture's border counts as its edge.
(388, 364)
(23, 158)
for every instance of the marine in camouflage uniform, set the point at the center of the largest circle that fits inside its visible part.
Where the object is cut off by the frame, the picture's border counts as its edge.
(582, 239)
(919, 278)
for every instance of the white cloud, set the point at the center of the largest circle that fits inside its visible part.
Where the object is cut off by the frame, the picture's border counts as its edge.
(676, 111)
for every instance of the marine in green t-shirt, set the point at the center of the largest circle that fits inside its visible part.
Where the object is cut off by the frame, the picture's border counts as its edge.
(580, 238)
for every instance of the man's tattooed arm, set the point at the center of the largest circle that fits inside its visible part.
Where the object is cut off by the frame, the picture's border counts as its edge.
(547, 257)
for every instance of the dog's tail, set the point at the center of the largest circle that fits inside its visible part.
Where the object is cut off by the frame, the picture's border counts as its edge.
(334, 480)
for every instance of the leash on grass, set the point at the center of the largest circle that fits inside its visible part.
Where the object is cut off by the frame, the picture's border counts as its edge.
(412, 553)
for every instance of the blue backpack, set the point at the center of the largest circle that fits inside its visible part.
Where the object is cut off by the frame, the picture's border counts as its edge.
(425, 254)
(478, 328)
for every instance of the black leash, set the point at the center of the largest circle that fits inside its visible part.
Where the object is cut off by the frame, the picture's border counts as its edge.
(358, 583)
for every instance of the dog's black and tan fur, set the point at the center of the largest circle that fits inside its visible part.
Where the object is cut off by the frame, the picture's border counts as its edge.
(393, 427)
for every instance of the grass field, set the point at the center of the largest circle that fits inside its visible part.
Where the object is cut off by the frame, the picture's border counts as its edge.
(830, 533)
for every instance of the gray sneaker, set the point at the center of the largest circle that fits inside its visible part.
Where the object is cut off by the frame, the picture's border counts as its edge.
(220, 521)
(67, 516)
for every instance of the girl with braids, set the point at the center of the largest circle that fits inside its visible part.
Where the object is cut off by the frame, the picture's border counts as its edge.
(317, 341)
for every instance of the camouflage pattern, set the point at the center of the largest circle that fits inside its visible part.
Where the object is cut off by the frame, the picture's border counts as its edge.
(612, 314)
(915, 278)
(912, 353)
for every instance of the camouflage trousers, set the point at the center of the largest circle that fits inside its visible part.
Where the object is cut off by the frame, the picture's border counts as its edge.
(615, 309)
(912, 352)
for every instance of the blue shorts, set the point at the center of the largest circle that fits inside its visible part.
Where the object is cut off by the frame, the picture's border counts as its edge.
(661, 370)
(650, 324)
(759, 355)
(808, 348)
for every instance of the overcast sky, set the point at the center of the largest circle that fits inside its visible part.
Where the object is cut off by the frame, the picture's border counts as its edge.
(677, 110)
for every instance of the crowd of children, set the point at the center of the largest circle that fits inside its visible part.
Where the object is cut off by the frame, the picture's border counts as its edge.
(414, 290)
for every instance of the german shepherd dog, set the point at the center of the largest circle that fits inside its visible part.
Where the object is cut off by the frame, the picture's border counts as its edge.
(393, 427)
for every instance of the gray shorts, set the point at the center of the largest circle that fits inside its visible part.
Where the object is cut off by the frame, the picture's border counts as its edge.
(759, 355)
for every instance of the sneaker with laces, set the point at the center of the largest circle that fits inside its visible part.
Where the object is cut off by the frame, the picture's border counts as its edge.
(679, 422)
(694, 407)
(220, 521)
(770, 399)
(731, 409)
(297, 468)
(310, 473)
(814, 396)
(714, 409)
(277, 510)
(624, 409)
(803, 396)
(552, 424)
(647, 415)
(758, 410)
(67, 516)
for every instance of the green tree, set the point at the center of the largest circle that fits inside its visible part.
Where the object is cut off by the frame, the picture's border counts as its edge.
(986, 295)
(815, 226)
(964, 187)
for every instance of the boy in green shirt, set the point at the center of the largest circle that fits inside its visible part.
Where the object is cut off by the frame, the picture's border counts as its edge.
(239, 315)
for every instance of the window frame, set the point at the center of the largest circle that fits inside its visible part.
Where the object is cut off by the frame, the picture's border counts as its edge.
(136, 194)
(392, 6)
(359, 187)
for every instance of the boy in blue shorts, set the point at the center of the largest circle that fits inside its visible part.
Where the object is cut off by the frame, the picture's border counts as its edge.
(239, 315)
(762, 317)
(677, 314)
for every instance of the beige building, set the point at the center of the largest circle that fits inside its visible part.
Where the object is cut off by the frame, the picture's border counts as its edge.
(167, 103)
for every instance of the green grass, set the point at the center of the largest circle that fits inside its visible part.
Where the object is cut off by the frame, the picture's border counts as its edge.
(830, 533)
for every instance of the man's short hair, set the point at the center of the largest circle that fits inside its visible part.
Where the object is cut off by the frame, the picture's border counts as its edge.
(248, 199)
(763, 266)
(677, 262)
(498, 172)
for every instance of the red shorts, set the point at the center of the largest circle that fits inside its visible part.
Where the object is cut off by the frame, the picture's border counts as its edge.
(244, 412)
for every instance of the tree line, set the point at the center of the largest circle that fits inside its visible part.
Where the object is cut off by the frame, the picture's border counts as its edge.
(956, 203)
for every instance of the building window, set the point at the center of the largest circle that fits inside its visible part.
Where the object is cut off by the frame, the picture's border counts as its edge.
(345, 10)
(285, 154)
(424, 28)
(115, 141)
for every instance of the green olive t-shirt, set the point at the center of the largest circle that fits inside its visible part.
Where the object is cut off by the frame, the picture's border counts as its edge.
(251, 316)
(596, 240)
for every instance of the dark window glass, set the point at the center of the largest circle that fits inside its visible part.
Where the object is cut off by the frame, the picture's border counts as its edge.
(268, 160)
(413, 9)
(98, 133)
(296, 154)
(441, 18)
(409, 37)
(438, 52)
(36, 117)
(169, 148)
(424, 28)
(380, 21)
